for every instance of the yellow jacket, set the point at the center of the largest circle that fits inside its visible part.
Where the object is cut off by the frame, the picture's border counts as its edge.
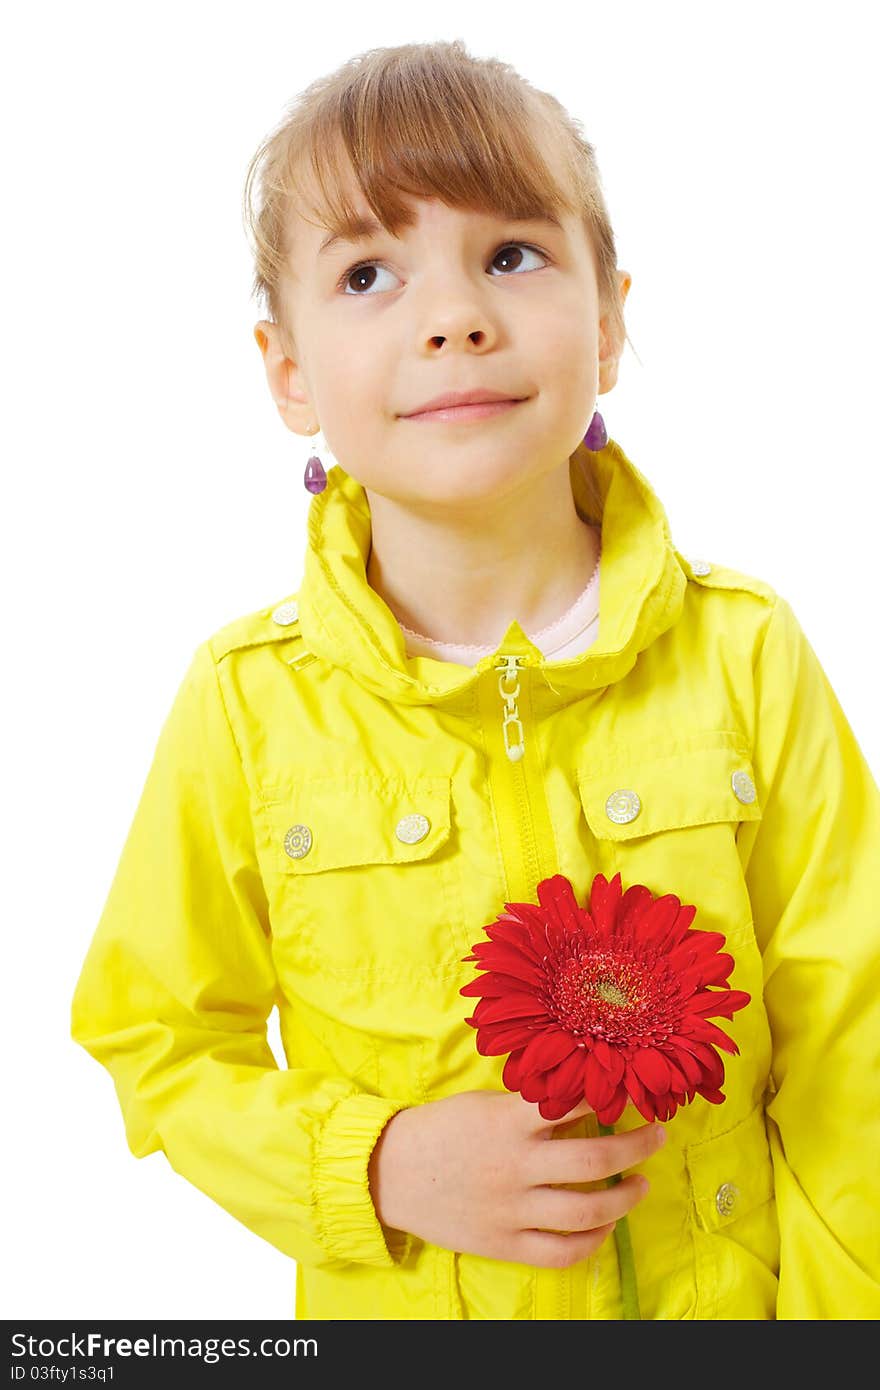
(328, 824)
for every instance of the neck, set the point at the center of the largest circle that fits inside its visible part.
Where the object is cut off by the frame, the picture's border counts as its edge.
(452, 577)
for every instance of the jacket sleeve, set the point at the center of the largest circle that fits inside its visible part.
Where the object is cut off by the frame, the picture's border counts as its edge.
(173, 999)
(814, 882)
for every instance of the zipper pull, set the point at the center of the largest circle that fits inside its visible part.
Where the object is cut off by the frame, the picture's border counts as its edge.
(509, 692)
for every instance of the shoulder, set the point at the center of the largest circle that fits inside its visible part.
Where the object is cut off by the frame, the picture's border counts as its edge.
(729, 605)
(277, 621)
(708, 574)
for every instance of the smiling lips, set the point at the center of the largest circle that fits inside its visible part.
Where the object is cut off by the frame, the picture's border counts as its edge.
(464, 405)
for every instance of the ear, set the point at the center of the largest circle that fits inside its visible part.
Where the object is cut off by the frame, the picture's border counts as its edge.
(610, 341)
(286, 381)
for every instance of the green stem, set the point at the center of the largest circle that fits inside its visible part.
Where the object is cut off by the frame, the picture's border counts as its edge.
(629, 1290)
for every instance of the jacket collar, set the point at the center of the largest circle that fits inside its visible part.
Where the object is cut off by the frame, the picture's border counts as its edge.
(344, 621)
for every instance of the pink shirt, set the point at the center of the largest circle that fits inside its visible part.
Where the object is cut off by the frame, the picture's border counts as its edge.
(572, 632)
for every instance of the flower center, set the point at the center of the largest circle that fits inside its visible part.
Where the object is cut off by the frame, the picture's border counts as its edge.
(608, 989)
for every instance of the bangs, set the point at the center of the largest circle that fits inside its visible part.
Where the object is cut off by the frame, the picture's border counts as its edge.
(433, 138)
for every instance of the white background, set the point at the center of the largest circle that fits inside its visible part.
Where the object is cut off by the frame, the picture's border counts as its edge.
(152, 493)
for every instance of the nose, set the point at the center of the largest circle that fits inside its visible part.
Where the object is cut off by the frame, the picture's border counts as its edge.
(453, 308)
(458, 321)
(477, 337)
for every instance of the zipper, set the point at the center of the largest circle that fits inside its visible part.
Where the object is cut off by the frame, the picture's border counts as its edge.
(527, 843)
(514, 735)
(508, 665)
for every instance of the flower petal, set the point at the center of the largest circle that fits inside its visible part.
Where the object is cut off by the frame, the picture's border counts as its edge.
(556, 1109)
(546, 1048)
(611, 1113)
(687, 1064)
(702, 943)
(657, 919)
(708, 967)
(604, 898)
(633, 906)
(678, 1076)
(492, 984)
(678, 930)
(635, 1089)
(723, 1002)
(545, 933)
(534, 1085)
(647, 1106)
(507, 956)
(560, 905)
(651, 1069)
(665, 1107)
(610, 1059)
(519, 944)
(511, 1073)
(509, 1006)
(705, 1031)
(491, 1042)
(599, 1085)
(717, 968)
(568, 1075)
(734, 999)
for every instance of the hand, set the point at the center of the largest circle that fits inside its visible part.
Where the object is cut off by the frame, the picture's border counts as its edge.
(472, 1172)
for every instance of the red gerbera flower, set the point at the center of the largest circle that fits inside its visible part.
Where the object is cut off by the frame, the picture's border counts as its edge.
(608, 1004)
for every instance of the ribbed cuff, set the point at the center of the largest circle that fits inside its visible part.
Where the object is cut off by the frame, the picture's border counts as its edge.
(345, 1216)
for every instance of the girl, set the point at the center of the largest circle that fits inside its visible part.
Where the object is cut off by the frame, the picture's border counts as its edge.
(355, 780)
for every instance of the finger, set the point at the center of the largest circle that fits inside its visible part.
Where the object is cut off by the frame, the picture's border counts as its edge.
(561, 1209)
(558, 1251)
(591, 1160)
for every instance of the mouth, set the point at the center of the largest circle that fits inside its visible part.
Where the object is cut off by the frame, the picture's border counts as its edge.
(479, 410)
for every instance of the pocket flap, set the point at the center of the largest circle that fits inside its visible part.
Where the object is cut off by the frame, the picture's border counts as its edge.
(731, 1173)
(693, 783)
(357, 818)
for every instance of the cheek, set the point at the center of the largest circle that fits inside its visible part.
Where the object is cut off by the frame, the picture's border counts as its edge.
(565, 341)
(575, 336)
(351, 393)
(356, 412)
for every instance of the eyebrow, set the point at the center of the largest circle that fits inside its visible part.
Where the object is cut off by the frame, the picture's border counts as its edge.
(362, 227)
(356, 230)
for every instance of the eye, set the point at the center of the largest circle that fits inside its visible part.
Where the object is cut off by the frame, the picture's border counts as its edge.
(361, 273)
(513, 246)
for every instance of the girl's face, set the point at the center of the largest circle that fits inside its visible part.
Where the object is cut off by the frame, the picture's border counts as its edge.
(461, 300)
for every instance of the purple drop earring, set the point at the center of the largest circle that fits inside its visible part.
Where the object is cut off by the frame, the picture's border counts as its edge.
(314, 478)
(596, 436)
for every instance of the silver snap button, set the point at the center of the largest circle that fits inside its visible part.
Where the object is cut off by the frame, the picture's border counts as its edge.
(700, 567)
(298, 841)
(412, 828)
(726, 1198)
(622, 806)
(286, 613)
(743, 787)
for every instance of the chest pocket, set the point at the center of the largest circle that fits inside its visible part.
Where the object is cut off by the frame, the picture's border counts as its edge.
(363, 876)
(669, 817)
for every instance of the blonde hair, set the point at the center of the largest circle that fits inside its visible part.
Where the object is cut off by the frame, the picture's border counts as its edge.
(430, 120)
